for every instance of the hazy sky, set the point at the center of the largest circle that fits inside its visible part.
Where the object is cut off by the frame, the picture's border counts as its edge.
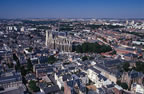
(71, 8)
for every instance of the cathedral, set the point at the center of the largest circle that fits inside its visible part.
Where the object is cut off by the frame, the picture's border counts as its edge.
(58, 41)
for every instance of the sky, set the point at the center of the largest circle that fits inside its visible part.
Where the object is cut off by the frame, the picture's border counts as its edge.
(71, 8)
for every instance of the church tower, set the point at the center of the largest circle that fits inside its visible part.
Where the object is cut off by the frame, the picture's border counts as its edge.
(46, 41)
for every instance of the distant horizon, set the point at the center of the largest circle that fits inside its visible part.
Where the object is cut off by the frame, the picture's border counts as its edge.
(25, 9)
(65, 18)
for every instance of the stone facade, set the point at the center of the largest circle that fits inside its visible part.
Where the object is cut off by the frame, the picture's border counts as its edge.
(58, 41)
(132, 77)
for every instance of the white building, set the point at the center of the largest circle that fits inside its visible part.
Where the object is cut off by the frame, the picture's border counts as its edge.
(136, 88)
(99, 80)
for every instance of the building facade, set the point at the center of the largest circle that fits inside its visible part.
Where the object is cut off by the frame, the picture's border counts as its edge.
(58, 41)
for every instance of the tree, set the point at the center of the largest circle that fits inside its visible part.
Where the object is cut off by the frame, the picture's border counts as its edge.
(51, 59)
(84, 58)
(0, 58)
(15, 57)
(17, 66)
(23, 71)
(30, 49)
(139, 66)
(24, 80)
(126, 66)
(78, 49)
(92, 48)
(33, 86)
(10, 65)
(119, 82)
(124, 85)
(29, 65)
(114, 52)
(1, 88)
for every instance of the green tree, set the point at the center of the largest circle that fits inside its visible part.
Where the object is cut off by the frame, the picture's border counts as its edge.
(92, 48)
(0, 58)
(139, 66)
(10, 65)
(33, 86)
(114, 52)
(119, 82)
(51, 59)
(15, 57)
(30, 49)
(24, 80)
(84, 58)
(124, 85)
(17, 66)
(126, 66)
(29, 65)
(23, 71)
(78, 49)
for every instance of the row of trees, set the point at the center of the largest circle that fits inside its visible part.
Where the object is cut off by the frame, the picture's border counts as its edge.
(22, 69)
(28, 69)
(17, 66)
(39, 22)
(43, 27)
(87, 58)
(92, 48)
(66, 28)
(104, 26)
(139, 67)
(134, 33)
